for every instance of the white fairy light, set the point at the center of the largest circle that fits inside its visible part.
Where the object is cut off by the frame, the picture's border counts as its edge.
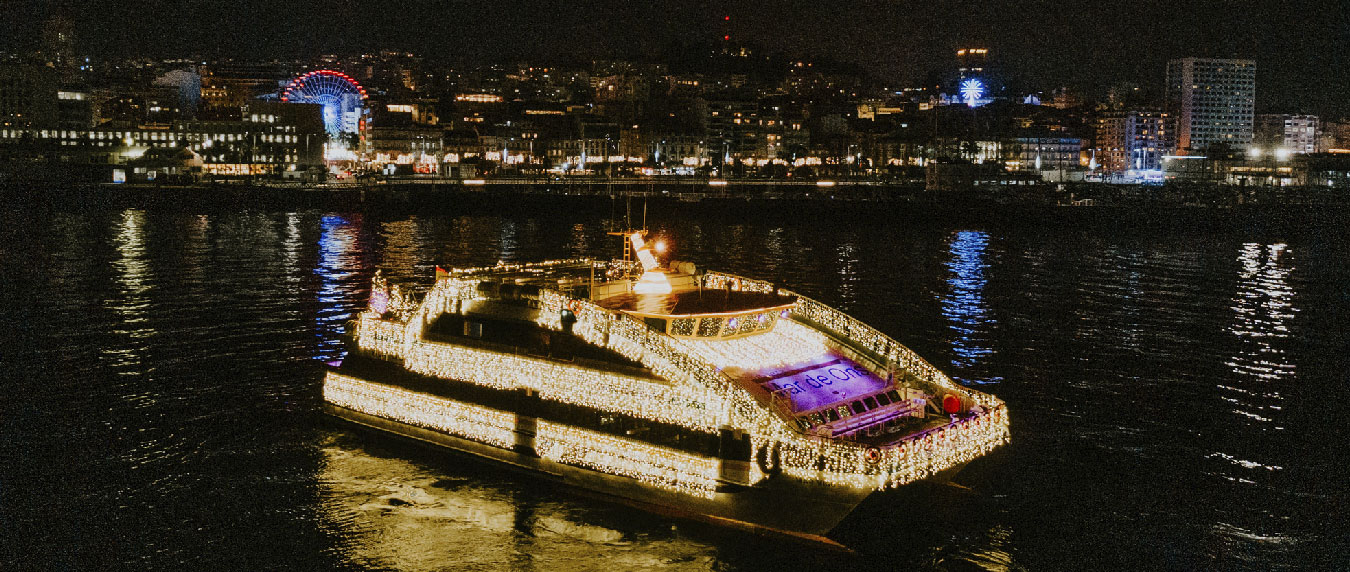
(658, 466)
(699, 394)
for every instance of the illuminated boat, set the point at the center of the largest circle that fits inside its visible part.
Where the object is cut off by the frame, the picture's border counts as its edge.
(698, 394)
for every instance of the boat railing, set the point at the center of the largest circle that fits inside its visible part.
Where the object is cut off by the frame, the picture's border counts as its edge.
(781, 403)
(888, 352)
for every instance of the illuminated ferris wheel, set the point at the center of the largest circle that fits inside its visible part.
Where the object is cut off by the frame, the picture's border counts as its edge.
(339, 94)
(971, 91)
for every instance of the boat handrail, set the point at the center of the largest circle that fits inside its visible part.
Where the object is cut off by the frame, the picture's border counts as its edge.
(851, 330)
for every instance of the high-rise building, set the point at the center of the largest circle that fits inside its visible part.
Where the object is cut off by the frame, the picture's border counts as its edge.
(1292, 133)
(1133, 140)
(971, 62)
(1213, 102)
(58, 43)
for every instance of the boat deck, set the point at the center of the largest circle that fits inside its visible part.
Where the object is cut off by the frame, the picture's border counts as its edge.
(693, 302)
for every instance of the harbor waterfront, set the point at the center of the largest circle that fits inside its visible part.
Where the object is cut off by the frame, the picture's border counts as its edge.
(1176, 390)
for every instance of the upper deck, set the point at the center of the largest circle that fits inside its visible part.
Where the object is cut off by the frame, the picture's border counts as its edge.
(789, 362)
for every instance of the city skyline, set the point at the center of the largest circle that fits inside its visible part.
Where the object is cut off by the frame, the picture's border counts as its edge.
(1040, 46)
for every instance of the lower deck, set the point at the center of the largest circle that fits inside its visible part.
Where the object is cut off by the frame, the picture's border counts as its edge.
(780, 505)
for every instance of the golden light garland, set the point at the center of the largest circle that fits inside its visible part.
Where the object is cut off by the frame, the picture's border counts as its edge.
(788, 343)
(465, 420)
(694, 370)
(657, 466)
(566, 383)
(647, 463)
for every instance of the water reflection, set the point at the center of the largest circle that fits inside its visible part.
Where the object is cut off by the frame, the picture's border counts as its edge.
(290, 249)
(134, 279)
(580, 243)
(847, 252)
(337, 268)
(965, 307)
(399, 256)
(509, 244)
(1251, 450)
(1261, 371)
(396, 514)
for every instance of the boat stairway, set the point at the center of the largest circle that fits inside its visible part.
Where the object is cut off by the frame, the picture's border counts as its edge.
(857, 422)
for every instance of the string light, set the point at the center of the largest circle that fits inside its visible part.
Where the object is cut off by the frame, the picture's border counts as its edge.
(472, 422)
(568, 383)
(651, 464)
(788, 343)
(648, 463)
(698, 394)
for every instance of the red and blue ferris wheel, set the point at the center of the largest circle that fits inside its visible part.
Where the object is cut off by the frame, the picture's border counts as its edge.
(339, 94)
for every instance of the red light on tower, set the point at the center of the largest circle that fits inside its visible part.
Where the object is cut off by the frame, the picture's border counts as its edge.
(726, 18)
(727, 37)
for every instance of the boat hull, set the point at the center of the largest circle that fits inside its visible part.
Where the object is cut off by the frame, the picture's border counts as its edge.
(778, 506)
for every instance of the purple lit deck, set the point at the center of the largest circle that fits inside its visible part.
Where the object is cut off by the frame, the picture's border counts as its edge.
(830, 379)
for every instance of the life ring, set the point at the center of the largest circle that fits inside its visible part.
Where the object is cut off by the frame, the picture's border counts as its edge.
(872, 455)
(951, 404)
(769, 460)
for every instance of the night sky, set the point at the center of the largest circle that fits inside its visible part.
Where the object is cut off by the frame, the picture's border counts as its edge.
(1302, 47)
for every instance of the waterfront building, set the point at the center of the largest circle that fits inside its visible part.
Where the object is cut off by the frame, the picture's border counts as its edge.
(1048, 152)
(269, 139)
(1336, 136)
(1284, 133)
(689, 150)
(1213, 102)
(405, 143)
(1328, 170)
(734, 129)
(1132, 141)
(230, 85)
(962, 176)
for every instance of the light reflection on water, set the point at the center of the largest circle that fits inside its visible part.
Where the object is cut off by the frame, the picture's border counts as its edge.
(398, 514)
(1250, 455)
(134, 278)
(1262, 307)
(847, 255)
(337, 266)
(964, 305)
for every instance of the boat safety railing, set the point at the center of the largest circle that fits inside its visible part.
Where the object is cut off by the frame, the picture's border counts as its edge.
(889, 352)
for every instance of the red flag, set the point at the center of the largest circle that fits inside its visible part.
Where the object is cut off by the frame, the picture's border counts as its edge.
(441, 273)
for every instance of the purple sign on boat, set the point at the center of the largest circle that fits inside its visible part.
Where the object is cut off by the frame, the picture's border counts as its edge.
(833, 381)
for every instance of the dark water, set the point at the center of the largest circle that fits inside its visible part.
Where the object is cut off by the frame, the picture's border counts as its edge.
(1178, 397)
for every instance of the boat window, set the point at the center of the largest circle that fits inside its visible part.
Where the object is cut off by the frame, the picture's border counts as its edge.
(473, 329)
(843, 411)
(682, 327)
(815, 419)
(709, 327)
(894, 395)
(858, 407)
(832, 414)
(882, 399)
(870, 402)
(804, 423)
